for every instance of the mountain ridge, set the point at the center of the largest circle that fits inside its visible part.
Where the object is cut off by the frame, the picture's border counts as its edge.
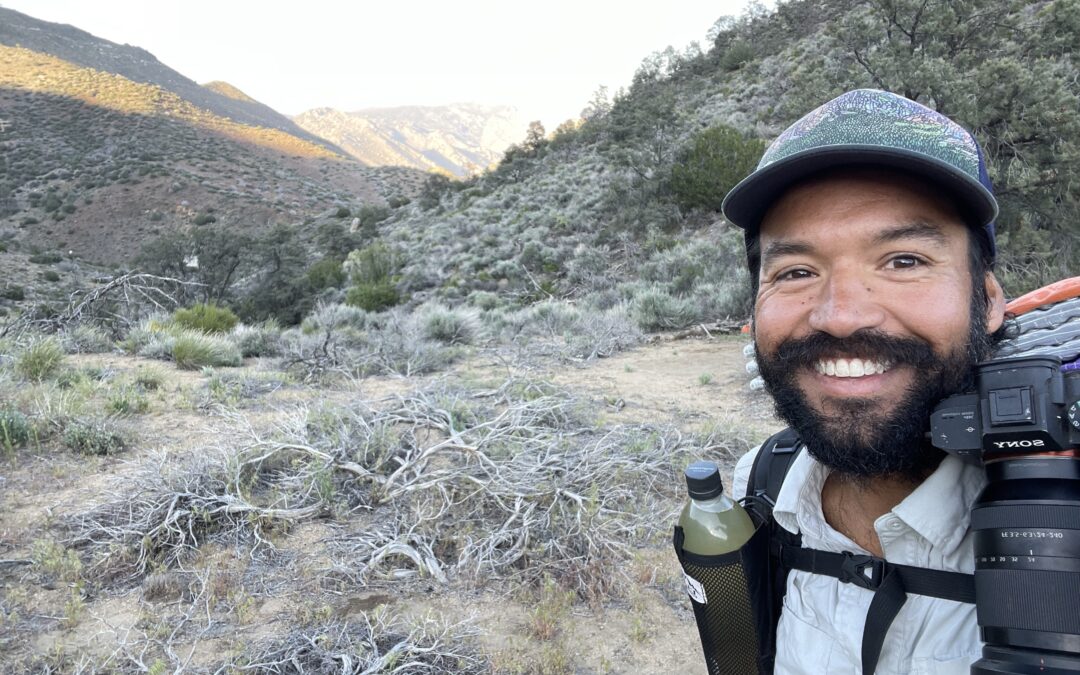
(459, 138)
(81, 48)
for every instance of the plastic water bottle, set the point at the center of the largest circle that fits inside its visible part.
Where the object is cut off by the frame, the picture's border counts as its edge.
(717, 549)
(712, 522)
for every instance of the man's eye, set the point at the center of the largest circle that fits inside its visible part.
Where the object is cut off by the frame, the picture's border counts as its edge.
(904, 262)
(792, 275)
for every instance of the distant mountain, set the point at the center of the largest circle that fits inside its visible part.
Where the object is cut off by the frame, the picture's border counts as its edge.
(460, 139)
(100, 153)
(138, 65)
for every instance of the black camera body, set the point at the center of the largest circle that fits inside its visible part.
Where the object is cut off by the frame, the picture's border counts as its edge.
(1022, 423)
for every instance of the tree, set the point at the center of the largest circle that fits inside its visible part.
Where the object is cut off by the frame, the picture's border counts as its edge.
(535, 137)
(716, 160)
(598, 106)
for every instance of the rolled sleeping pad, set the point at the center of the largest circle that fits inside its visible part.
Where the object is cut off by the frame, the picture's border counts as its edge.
(1048, 323)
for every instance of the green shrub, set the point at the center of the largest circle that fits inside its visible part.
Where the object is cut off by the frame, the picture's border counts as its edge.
(40, 360)
(737, 55)
(127, 400)
(51, 275)
(718, 158)
(13, 292)
(150, 379)
(654, 309)
(373, 297)
(263, 339)
(342, 212)
(205, 219)
(93, 437)
(192, 350)
(327, 273)
(15, 429)
(449, 326)
(206, 317)
(484, 299)
(45, 258)
(373, 264)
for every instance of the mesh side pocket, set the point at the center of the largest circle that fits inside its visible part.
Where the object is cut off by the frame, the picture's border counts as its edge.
(723, 599)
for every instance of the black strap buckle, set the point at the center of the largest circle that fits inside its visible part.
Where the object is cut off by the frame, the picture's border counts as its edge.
(864, 571)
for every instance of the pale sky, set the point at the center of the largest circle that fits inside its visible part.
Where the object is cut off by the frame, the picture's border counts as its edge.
(544, 58)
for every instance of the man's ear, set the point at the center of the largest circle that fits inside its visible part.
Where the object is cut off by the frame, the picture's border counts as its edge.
(995, 306)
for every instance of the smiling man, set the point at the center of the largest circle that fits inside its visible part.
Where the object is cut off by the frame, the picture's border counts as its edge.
(870, 241)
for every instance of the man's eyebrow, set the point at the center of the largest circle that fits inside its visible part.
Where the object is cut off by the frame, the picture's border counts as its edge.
(916, 230)
(777, 249)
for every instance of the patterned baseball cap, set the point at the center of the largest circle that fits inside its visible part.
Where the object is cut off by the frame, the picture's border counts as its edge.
(870, 127)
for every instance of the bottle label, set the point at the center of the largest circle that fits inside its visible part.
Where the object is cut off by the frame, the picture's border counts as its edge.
(694, 589)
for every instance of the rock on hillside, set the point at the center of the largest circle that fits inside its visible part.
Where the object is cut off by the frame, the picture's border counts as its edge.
(138, 65)
(460, 139)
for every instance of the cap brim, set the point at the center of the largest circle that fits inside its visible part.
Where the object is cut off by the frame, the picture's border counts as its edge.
(745, 205)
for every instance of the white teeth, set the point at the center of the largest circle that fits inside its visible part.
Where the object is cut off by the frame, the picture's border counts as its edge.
(850, 367)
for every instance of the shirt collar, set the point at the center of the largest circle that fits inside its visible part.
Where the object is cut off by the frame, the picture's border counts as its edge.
(939, 509)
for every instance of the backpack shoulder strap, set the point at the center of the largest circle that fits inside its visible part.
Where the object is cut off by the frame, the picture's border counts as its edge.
(771, 466)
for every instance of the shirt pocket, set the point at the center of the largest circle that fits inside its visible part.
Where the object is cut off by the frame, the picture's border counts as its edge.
(804, 649)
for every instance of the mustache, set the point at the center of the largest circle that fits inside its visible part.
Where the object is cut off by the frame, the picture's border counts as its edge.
(863, 344)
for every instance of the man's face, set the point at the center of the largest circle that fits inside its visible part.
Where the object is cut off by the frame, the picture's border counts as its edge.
(864, 317)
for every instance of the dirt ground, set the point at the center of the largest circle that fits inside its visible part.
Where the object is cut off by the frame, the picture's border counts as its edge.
(695, 385)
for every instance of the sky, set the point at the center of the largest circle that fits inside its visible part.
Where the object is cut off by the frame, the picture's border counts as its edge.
(544, 58)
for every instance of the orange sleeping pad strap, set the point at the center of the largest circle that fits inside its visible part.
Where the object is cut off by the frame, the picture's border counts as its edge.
(1047, 295)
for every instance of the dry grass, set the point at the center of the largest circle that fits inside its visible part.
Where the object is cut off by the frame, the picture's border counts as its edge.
(253, 553)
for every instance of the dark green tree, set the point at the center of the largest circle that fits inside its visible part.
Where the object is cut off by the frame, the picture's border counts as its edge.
(715, 161)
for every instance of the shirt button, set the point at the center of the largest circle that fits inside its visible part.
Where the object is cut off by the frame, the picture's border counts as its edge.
(895, 525)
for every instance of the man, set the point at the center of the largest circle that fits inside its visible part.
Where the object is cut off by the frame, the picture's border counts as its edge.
(870, 240)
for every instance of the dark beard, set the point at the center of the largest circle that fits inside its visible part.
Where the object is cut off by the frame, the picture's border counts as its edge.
(860, 441)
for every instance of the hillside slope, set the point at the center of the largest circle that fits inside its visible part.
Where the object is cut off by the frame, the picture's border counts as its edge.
(460, 139)
(98, 163)
(138, 65)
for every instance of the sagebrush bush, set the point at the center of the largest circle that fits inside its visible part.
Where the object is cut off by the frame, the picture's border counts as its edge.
(143, 333)
(85, 339)
(262, 339)
(40, 359)
(458, 326)
(484, 299)
(655, 309)
(192, 350)
(15, 429)
(335, 316)
(207, 317)
(93, 437)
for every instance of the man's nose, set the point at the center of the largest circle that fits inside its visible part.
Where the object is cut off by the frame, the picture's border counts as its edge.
(847, 303)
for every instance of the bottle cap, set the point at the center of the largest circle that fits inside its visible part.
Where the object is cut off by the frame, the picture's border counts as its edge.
(703, 480)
